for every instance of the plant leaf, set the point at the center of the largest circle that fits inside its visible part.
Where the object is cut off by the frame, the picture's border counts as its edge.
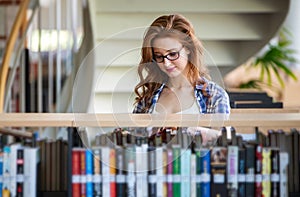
(275, 69)
(285, 69)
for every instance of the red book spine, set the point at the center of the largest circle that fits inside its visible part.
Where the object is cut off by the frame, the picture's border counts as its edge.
(76, 186)
(112, 166)
(82, 173)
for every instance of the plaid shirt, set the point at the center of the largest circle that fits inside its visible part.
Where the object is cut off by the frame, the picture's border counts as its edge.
(211, 98)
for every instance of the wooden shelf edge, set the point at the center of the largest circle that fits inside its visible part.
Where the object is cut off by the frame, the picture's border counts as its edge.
(145, 120)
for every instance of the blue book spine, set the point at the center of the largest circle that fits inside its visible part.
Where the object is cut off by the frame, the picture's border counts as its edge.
(205, 172)
(6, 170)
(89, 172)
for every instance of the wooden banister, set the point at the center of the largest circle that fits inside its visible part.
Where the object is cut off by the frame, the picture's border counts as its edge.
(9, 49)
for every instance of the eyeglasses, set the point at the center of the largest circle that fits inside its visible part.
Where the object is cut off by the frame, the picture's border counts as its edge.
(172, 56)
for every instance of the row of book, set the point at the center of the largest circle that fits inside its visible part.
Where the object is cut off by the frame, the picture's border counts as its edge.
(19, 170)
(53, 165)
(180, 164)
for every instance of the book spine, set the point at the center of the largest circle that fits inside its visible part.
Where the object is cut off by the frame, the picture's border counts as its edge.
(120, 177)
(13, 169)
(1, 172)
(159, 171)
(42, 170)
(97, 179)
(6, 170)
(82, 172)
(232, 170)
(242, 173)
(139, 176)
(105, 151)
(112, 172)
(52, 166)
(176, 170)
(144, 169)
(31, 164)
(27, 181)
(185, 169)
(275, 175)
(205, 172)
(89, 172)
(198, 172)
(295, 137)
(193, 175)
(130, 178)
(218, 171)
(165, 162)
(20, 173)
(266, 172)
(170, 172)
(152, 172)
(258, 171)
(250, 171)
(76, 188)
(284, 161)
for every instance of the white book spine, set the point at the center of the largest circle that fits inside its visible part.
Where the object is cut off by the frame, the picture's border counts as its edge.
(144, 169)
(139, 166)
(31, 159)
(13, 169)
(284, 161)
(105, 152)
(159, 171)
(193, 175)
(232, 167)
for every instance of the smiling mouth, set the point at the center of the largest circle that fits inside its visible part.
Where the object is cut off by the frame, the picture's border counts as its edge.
(170, 69)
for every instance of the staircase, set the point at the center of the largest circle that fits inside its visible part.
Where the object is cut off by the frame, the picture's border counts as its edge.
(231, 32)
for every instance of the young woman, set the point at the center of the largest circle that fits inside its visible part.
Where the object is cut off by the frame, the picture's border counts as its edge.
(172, 76)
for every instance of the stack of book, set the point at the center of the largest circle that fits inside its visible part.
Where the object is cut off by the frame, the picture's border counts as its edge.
(252, 99)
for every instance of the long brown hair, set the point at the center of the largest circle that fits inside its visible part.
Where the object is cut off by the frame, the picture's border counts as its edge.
(151, 77)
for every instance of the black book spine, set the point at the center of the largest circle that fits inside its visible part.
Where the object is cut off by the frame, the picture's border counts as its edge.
(242, 173)
(69, 161)
(218, 171)
(250, 170)
(296, 159)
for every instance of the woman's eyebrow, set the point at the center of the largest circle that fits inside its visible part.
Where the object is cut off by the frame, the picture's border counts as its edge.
(173, 49)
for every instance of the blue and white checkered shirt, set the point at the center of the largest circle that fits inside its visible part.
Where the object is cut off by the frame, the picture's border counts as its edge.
(211, 98)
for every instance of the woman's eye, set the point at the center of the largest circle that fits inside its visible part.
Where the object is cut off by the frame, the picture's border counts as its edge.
(173, 54)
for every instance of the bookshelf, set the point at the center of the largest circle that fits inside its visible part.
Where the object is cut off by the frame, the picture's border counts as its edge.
(238, 118)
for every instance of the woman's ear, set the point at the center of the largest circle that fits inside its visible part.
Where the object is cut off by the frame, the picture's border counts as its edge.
(187, 51)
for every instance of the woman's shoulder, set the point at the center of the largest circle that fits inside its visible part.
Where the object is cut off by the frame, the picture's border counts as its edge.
(209, 87)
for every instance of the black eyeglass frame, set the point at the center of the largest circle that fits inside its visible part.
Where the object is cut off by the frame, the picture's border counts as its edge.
(166, 56)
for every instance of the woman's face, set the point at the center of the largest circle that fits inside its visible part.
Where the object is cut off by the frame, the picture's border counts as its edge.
(171, 56)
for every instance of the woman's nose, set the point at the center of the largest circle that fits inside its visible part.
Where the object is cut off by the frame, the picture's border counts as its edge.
(166, 62)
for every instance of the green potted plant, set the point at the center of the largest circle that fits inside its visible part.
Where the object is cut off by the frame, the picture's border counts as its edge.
(274, 61)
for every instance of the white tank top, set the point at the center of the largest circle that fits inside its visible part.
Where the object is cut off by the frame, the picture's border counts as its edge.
(194, 109)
